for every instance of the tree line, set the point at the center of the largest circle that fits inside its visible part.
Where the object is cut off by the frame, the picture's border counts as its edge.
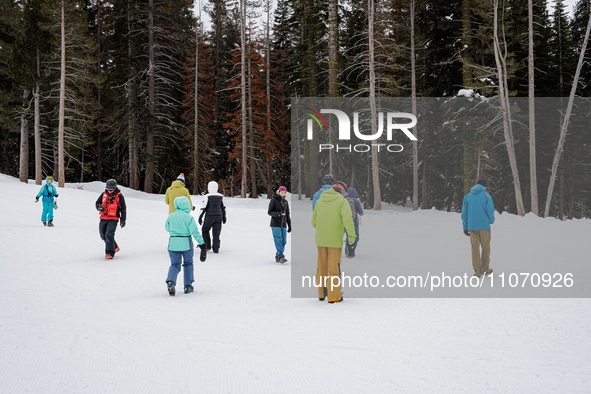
(140, 90)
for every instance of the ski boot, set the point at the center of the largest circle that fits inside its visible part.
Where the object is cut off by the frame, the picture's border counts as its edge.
(45, 224)
(189, 289)
(50, 223)
(280, 259)
(171, 289)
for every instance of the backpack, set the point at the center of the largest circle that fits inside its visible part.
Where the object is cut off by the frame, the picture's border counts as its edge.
(352, 205)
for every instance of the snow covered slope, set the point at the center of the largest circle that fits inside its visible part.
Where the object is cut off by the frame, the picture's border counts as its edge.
(73, 322)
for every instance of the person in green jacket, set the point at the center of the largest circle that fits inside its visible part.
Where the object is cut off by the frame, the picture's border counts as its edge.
(181, 225)
(175, 190)
(331, 217)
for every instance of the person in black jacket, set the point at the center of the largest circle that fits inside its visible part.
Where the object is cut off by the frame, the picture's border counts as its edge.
(280, 222)
(112, 208)
(215, 215)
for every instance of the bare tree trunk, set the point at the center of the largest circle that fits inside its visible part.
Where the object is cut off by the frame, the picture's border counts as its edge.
(61, 169)
(38, 163)
(99, 153)
(243, 95)
(533, 177)
(268, 7)
(81, 165)
(253, 178)
(467, 150)
(299, 162)
(196, 114)
(566, 120)
(561, 196)
(23, 173)
(333, 70)
(149, 180)
(312, 90)
(506, 110)
(37, 126)
(415, 144)
(372, 105)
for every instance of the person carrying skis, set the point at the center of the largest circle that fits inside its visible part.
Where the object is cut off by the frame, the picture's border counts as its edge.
(478, 213)
(328, 182)
(331, 217)
(112, 209)
(215, 215)
(181, 225)
(280, 222)
(48, 191)
(177, 189)
(357, 212)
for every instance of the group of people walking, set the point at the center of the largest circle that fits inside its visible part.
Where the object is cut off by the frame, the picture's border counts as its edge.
(336, 213)
(181, 226)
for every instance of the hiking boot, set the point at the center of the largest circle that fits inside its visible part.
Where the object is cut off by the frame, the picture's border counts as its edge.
(189, 289)
(45, 223)
(50, 223)
(117, 249)
(277, 259)
(488, 272)
(171, 289)
(339, 300)
(321, 299)
(108, 257)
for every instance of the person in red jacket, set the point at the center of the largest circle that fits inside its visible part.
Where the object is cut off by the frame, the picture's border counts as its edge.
(112, 208)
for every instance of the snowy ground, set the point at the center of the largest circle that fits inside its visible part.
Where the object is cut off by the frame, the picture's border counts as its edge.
(73, 322)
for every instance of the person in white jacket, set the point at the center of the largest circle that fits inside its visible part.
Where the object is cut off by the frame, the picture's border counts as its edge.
(215, 215)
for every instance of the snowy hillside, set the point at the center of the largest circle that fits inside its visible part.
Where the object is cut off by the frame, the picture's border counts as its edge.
(73, 322)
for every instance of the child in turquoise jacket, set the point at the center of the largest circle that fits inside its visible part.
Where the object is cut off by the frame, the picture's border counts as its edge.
(181, 225)
(48, 191)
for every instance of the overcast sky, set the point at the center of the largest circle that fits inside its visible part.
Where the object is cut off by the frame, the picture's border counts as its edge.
(569, 7)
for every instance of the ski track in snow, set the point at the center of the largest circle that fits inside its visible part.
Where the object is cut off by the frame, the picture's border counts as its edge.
(73, 322)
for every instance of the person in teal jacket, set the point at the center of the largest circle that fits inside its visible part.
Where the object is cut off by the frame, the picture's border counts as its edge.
(478, 213)
(181, 226)
(48, 191)
(328, 182)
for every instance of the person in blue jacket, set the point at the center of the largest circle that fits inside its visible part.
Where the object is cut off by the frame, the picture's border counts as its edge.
(181, 226)
(478, 213)
(328, 182)
(357, 212)
(48, 191)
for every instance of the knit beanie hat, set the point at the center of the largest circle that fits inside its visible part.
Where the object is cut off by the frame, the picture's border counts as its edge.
(482, 182)
(181, 178)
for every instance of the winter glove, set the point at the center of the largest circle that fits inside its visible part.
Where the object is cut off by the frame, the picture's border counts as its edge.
(224, 220)
(36, 199)
(192, 209)
(122, 222)
(289, 228)
(100, 208)
(57, 195)
(467, 232)
(203, 254)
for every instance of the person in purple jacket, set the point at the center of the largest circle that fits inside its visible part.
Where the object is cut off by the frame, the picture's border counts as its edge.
(478, 213)
(357, 212)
